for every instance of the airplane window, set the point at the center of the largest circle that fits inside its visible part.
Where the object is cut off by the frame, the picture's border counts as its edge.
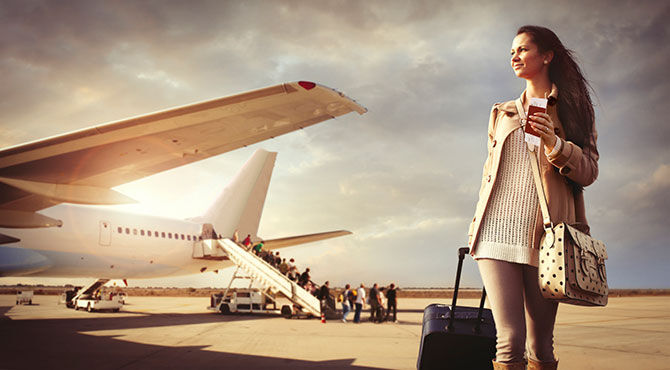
(127, 230)
(182, 236)
(142, 232)
(170, 235)
(163, 234)
(188, 237)
(120, 230)
(156, 234)
(134, 231)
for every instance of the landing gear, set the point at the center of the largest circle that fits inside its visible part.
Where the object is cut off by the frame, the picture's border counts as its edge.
(286, 311)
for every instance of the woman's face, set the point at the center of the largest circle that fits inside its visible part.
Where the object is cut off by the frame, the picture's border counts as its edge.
(527, 61)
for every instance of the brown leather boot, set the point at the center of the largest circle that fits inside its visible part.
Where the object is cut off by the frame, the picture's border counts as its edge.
(509, 366)
(534, 365)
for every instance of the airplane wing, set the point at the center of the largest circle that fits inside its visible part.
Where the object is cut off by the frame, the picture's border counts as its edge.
(295, 240)
(83, 166)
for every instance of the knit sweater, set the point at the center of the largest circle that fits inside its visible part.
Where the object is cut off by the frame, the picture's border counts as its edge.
(509, 220)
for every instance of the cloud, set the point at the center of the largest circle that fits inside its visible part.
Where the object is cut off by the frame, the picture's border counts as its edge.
(650, 191)
(404, 177)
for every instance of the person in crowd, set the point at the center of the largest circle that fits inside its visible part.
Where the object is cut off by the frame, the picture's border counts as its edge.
(352, 298)
(304, 278)
(346, 304)
(258, 248)
(360, 303)
(247, 241)
(392, 302)
(507, 227)
(291, 264)
(323, 295)
(374, 301)
(381, 314)
(292, 273)
(277, 260)
(283, 267)
(267, 256)
(236, 236)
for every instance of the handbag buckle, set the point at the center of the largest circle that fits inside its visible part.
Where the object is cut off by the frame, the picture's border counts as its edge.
(549, 237)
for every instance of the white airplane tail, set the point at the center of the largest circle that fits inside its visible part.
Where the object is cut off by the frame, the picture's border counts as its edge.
(240, 205)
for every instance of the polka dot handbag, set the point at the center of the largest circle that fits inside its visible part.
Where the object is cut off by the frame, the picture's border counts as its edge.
(572, 267)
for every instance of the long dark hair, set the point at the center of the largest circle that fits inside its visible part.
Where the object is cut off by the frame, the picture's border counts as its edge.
(575, 108)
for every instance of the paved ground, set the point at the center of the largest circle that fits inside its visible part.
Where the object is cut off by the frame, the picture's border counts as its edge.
(166, 332)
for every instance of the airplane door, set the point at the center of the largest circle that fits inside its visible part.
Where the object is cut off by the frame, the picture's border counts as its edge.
(105, 233)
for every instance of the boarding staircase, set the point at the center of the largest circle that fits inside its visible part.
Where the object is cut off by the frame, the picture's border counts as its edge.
(88, 290)
(260, 271)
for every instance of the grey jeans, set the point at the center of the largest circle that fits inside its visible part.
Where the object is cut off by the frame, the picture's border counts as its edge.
(524, 319)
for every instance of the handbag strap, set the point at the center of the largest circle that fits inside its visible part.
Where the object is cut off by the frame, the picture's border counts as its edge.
(533, 159)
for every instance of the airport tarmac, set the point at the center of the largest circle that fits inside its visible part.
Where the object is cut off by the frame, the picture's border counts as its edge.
(175, 332)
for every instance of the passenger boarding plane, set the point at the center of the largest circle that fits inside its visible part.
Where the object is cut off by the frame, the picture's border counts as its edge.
(47, 229)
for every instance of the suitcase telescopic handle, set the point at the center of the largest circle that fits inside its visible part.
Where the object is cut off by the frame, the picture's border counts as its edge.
(461, 256)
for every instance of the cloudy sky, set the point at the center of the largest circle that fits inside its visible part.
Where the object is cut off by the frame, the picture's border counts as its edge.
(403, 177)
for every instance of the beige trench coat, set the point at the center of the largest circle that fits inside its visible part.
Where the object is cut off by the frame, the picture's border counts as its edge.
(579, 165)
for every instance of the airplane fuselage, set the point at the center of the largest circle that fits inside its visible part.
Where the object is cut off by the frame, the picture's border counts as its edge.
(99, 243)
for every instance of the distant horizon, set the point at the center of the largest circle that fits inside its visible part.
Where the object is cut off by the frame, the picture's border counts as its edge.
(332, 287)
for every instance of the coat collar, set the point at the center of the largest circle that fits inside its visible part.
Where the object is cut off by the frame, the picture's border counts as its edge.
(551, 97)
(510, 106)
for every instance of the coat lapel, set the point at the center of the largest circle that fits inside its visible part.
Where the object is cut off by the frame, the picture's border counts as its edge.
(508, 123)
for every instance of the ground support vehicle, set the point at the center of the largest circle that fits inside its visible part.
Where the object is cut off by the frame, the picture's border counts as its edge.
(102, 303)
(24, 297)
(244, 301)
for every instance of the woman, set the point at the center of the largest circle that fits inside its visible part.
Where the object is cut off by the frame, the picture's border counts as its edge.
(505, 233)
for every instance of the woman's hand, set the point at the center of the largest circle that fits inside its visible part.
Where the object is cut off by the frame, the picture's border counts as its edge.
(543, 124)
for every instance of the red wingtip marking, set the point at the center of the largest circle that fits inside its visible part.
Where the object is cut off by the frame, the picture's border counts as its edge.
(307, 85)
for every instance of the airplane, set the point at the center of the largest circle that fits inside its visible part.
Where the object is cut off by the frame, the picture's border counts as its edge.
(48, 227)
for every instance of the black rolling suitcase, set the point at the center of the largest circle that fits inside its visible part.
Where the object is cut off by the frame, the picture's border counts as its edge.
(456, 337)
